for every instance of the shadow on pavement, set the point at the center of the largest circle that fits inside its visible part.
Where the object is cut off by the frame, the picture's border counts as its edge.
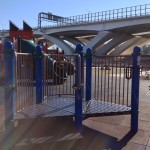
(58, 134)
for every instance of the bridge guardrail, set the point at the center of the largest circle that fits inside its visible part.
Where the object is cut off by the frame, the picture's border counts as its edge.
(115, 14)
(121, 13)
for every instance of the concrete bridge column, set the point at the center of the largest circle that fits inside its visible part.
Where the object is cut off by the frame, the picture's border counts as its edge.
(123, 47)
(73, 40)
(118, 39)
(99, 39)
(60, 43)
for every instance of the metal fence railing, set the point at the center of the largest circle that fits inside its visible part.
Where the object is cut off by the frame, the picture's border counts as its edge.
(58, 78)
(59, 75)
(24, 81)
(111, 79)
(115, 14)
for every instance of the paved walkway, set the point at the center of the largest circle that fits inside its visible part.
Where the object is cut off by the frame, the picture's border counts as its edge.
(99, 132)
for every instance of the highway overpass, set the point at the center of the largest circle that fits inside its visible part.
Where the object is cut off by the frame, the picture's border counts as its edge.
(106, 33)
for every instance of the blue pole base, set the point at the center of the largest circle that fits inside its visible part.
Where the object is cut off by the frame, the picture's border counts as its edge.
(78, 124)
(9, 126)
(134, 122)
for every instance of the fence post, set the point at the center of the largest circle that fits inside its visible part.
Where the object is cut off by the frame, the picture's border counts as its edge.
(38, 73)
(78, 91)
(88, 57)
(9, 84)
(135, 88)
(82, 72)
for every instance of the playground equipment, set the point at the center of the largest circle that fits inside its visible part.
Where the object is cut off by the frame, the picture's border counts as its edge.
(86, 93)
(23, 42)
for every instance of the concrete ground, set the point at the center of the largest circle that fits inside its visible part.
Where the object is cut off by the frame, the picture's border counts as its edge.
(99, 132)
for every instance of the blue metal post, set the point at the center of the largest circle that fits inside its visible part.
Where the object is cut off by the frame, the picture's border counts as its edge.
(135, 88)
(9, 84)
(39, 72)
(78, 91)
(82, 71)
(88, 57)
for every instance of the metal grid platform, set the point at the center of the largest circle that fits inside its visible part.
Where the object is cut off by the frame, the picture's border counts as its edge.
(64, 106)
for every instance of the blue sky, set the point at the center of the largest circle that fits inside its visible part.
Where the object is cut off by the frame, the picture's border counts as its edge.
(27, 10)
